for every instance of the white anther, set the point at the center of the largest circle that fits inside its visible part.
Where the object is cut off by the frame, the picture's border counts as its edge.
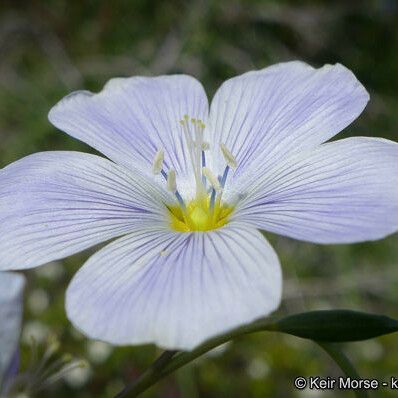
(171, 181)
(212, 179)
(158, 162)
(229, 158)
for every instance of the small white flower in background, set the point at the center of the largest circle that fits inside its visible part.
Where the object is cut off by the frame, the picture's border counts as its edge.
(38, 301)
(187, 186)
(98, 352)
(78, 377)
(52, 271)
(11, 305)
(36, 330)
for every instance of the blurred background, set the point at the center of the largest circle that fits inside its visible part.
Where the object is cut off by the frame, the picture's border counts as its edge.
(49, 48)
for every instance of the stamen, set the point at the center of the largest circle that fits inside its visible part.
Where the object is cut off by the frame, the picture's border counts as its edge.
(224, 176)
(229, 158)
(181, 201)
(158, 162)
(212, 201)
(216, 188)
(172, 186)
(205, 147)
(203, 165)
(212, 179)
(171, 181)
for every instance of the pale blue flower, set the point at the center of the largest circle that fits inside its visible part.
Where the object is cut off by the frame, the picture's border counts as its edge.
(11, 301)
(187, 187)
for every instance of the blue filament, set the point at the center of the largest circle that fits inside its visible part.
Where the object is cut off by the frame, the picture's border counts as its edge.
(224, 177)
(203, 165)
(180, 201)
(212, 199)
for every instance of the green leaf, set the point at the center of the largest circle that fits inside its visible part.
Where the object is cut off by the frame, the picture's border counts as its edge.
(336, 325)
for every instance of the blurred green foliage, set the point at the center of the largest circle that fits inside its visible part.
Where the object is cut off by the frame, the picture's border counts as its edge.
(49, 48)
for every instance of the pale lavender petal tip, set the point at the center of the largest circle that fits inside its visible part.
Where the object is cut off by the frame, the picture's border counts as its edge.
(344, 191)
(266, 115)
(131, 118)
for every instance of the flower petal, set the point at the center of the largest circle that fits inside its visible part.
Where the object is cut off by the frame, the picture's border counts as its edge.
(130, 119)
(175, 290)
(54, 204)
(343, 191)
(264, 115)
(11, 291)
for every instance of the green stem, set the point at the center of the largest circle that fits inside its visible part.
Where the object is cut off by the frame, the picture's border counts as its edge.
(170, 361)
(167, 363)
(344, 364)
(145, 380)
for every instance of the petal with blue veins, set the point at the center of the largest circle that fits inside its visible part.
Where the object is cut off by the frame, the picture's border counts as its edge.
(341, 192)
(175, 290)
(131, 118)
(54, 204)
(263, 116)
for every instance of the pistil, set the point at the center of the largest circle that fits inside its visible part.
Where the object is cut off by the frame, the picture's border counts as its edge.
(194, 151)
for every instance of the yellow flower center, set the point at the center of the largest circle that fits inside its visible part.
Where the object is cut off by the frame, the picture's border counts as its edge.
(199, 216)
